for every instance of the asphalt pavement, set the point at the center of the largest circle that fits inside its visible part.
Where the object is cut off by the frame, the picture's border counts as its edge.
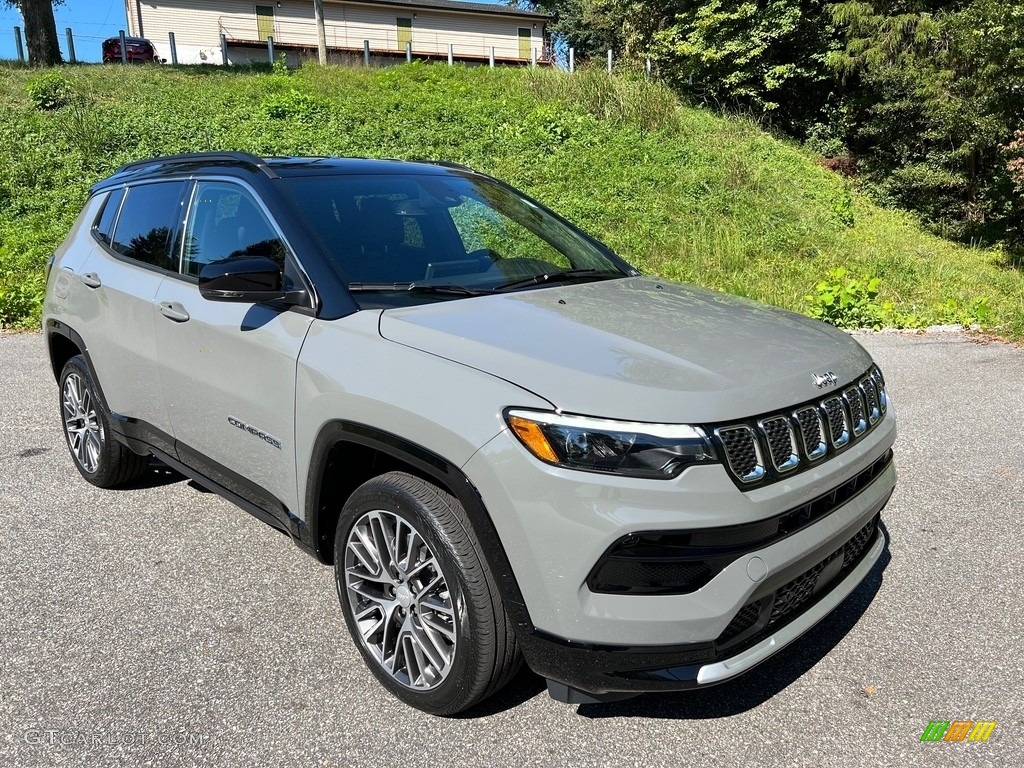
(163, 626)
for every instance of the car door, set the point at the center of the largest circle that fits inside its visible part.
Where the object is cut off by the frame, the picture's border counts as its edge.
(120, 280)
(228, 369)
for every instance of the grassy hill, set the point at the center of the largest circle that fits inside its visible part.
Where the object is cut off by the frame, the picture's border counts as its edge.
(678, 191)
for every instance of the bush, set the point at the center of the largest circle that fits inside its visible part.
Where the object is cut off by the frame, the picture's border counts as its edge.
(845, 302)
(290, 104)
(50, 91)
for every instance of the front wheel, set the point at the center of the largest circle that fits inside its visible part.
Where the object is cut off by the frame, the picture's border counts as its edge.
(418, 597)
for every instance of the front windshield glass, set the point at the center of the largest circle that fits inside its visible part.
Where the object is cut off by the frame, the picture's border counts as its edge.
(399, 240)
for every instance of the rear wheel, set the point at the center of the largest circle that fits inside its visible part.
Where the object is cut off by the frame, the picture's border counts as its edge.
(101, 459)
(418, 597)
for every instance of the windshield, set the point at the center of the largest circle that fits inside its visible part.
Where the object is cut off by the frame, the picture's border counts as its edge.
(399, 240)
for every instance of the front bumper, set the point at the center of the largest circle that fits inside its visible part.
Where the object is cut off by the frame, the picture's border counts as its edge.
(582, 673)
(606, 644)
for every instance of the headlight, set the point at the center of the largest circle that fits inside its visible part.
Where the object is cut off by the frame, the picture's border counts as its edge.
(619, 447)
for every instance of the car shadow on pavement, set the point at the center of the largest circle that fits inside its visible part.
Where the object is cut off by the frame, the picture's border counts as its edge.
(523, 687)
(156, 475)
(752, 689)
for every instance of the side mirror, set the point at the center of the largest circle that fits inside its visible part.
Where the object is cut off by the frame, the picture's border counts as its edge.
(248, 279)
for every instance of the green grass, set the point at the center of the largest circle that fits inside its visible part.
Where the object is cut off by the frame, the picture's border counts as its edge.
(678, 191)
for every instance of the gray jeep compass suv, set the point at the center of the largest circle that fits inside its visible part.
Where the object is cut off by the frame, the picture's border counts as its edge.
(510, 444)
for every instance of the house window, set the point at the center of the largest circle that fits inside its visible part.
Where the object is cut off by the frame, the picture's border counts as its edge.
(525, 42)
(404, 32)
(264, 21)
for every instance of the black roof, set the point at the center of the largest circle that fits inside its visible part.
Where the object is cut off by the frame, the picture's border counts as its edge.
(458, 5)
(272, 167)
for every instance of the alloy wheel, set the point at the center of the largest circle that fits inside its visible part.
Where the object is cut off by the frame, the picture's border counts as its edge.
(400, 600)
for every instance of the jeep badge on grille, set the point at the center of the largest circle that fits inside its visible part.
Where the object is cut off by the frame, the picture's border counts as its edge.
(822, 380)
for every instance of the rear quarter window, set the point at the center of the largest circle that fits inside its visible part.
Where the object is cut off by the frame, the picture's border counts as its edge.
(104, 228)
(147, 220)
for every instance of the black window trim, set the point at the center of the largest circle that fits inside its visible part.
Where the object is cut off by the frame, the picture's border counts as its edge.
(313, 300)
(95, 228)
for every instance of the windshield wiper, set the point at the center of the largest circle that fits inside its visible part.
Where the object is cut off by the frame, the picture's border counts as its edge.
(445, 289)
(554, 277)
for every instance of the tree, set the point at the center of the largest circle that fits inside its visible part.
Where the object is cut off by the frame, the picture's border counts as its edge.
(591, 27)
(40, 30)
(935, 100)
(761, 57)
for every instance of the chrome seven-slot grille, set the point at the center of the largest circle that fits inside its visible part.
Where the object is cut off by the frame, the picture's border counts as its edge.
(773, 446)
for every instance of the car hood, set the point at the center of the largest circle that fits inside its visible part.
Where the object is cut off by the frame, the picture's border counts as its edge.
(636, 348)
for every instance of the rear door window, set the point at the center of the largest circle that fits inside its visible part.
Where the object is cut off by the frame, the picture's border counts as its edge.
(146, 224)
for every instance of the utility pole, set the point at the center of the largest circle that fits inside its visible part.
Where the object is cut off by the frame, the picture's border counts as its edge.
(321, 33)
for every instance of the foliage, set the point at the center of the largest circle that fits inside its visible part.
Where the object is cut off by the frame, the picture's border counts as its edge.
(290, 104)
(766, 57)
(935, 92)
(50, 90)
(280, 65)
(922, 97)
(760, 57)
(1015, 160)
(848, 303)
(591, 27)
(678, 191)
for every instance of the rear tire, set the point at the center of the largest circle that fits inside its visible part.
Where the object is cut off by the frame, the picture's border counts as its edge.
(101, 459)
(418, 597)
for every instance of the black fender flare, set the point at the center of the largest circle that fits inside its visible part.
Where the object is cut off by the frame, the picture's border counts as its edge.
(433, 467)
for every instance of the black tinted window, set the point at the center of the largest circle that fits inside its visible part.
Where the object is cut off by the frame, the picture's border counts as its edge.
(226, 222)
(105, 225)
(147, 219)
(451, 229)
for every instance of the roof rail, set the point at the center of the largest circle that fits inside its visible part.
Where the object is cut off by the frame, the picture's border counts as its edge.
(241, 158)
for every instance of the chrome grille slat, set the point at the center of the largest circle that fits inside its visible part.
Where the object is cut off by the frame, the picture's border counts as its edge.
(838, 421)
(855, 402)
(743, 452)
(812, 430)
(766, 448)
(883, 397)
(781, 443)
(870, 392)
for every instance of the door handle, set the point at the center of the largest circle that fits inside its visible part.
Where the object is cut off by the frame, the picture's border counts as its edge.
(92, 280)
(174, 311)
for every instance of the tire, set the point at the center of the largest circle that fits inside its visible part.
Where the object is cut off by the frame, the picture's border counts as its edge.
(418, 597)
(101, 459)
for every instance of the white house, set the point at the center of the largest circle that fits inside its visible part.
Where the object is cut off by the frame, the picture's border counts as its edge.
(471, 29)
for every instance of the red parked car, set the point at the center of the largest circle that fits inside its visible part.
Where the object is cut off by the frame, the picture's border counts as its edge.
(137, 50)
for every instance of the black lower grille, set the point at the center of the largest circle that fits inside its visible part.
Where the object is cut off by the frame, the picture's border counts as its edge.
(799, 594)
(796, 592)
(679, 562)
(743, 621)
(651, 576)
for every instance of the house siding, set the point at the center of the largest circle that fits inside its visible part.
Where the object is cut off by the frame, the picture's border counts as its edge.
(200, 24)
